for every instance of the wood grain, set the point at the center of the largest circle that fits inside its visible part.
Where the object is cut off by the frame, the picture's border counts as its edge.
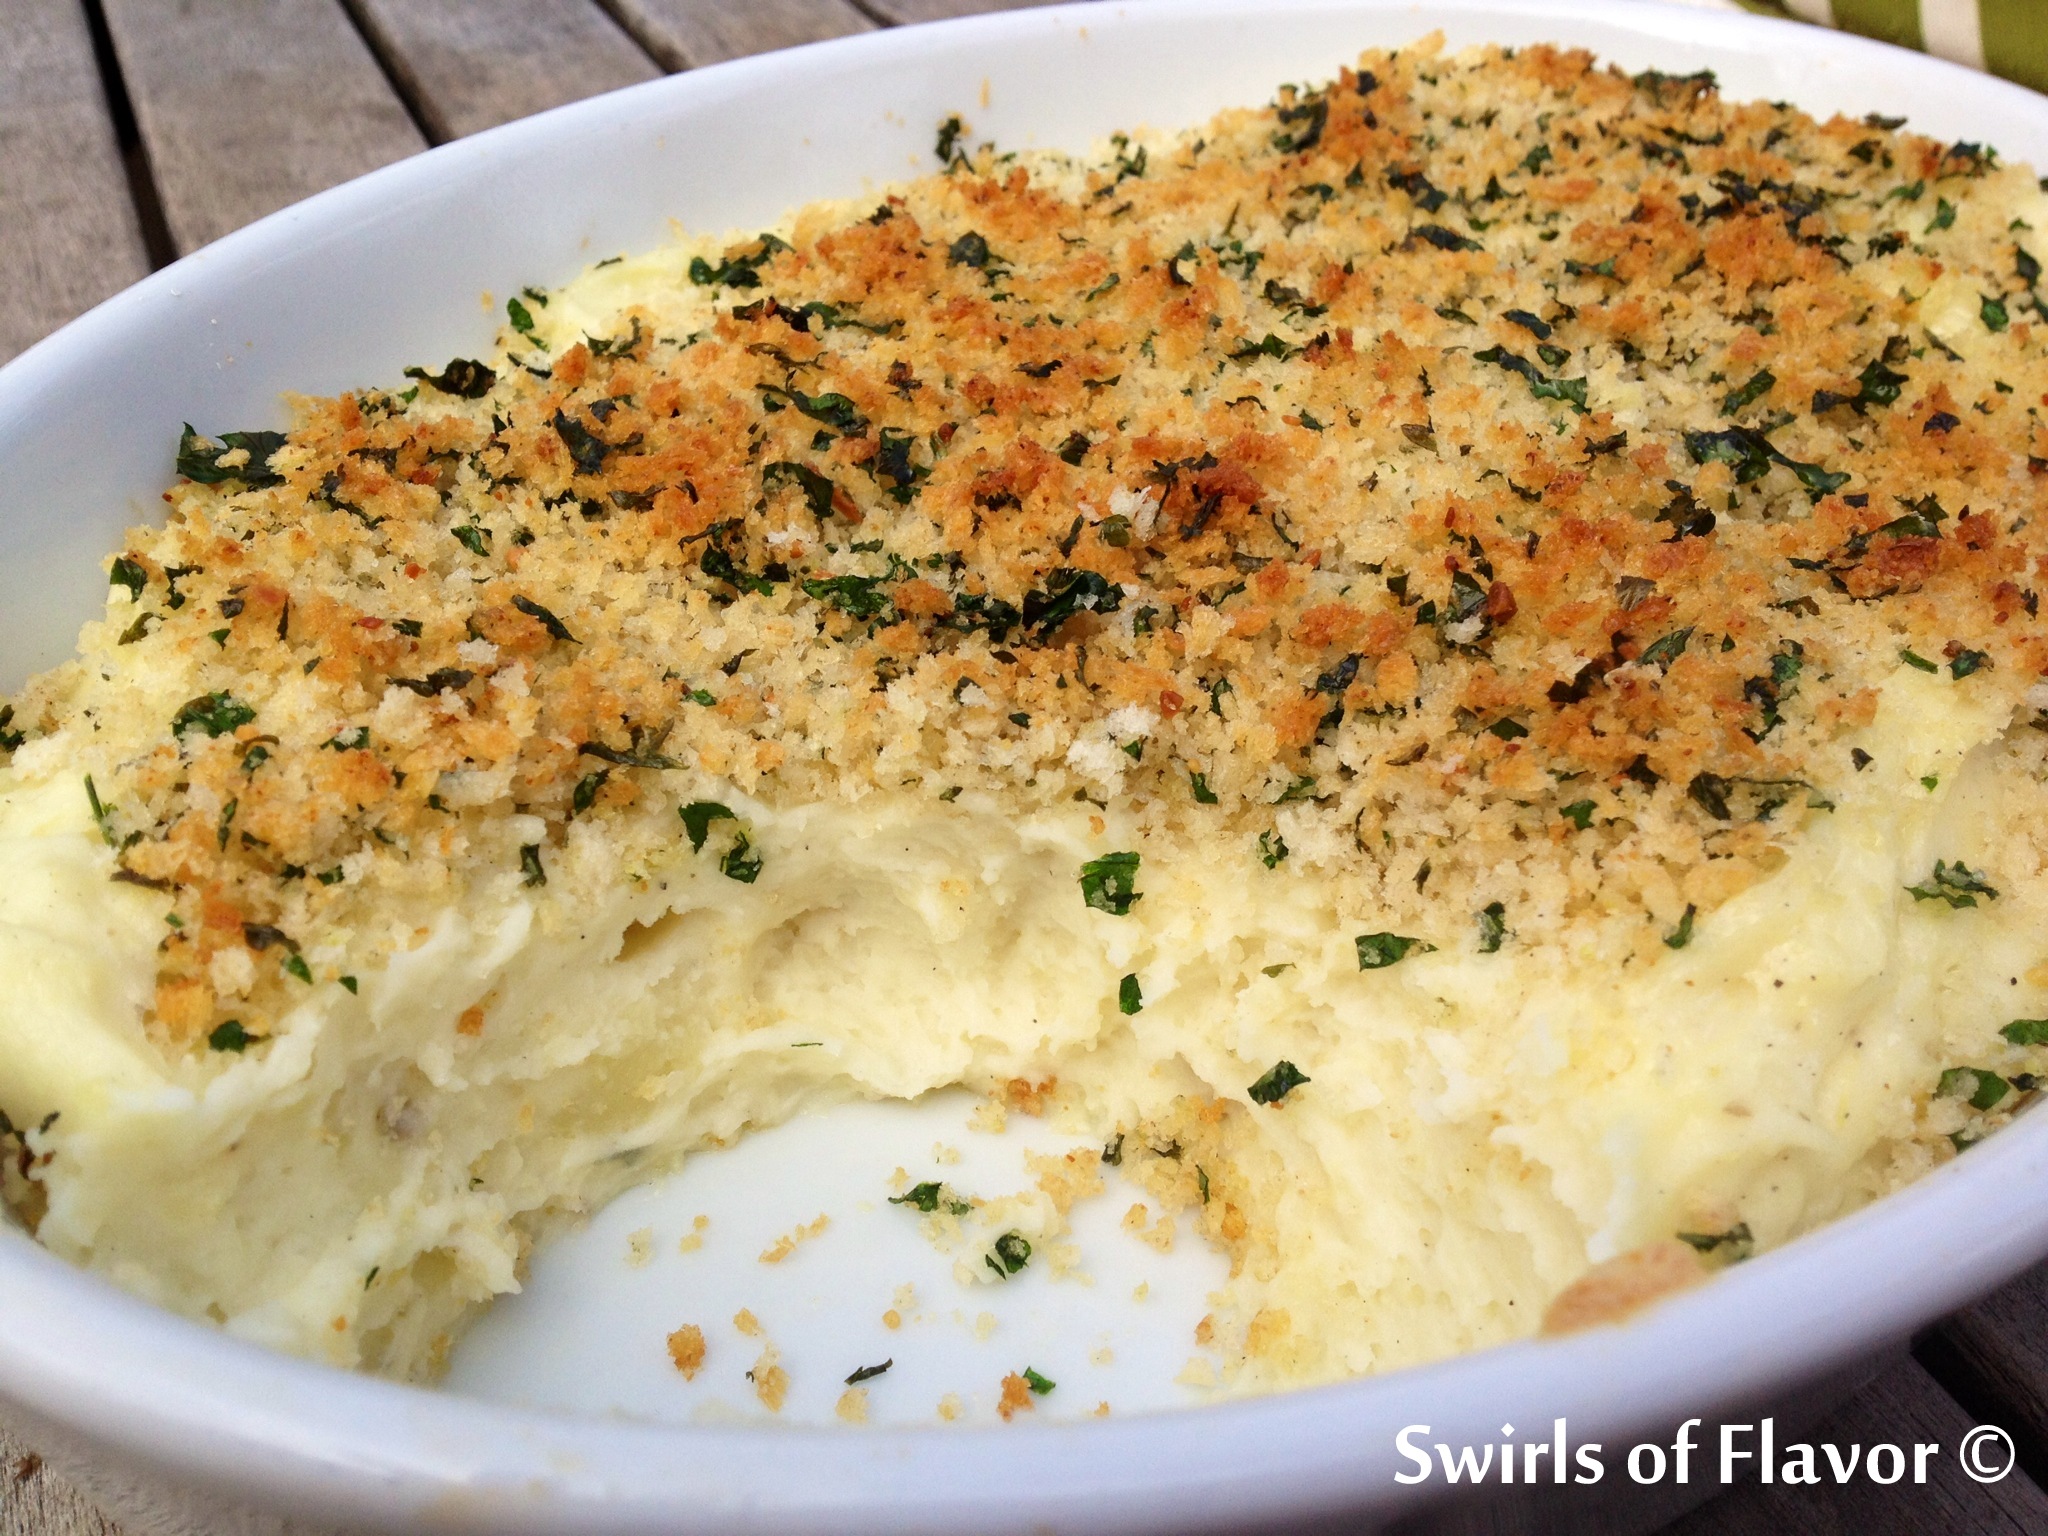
(1903, 1406)
(1995, 1356)
(685, 33)
(905, 12)
(248, 105)
(34, 1501)
(466, 65)
(68, 230)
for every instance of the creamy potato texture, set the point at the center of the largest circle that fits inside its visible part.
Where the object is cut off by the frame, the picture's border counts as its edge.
(1393, 728)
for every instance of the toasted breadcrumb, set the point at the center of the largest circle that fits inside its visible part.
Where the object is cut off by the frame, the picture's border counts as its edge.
(785, 1245)
(686, 1349)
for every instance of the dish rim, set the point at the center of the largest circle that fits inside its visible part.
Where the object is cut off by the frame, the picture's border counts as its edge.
(196, 1406)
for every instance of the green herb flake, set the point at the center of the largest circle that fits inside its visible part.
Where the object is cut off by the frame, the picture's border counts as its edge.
(1917, 661)
(464, 378)
(1944, 215)
(295, 965)
(1963, 663)
(1579, 813)
(100, 812)
(350, 983)
(1110, 883)
(127, 573)
(740, 862)
(1377, 951)
(229, 1035)
(530, 866)
(924, 1197)
(2026, 1032)
(198, 460)
(869, 1372)
(1759, 385)
(1012, 1253)
(1681, 936)
(1038, 1384)
(697, 818)
(1273, 849)
(521, 317)
(1198, 783)
(1737, 1240)
(227, 818)
(1493, 927)
(1957, 884)
(1992, 313)
(1982, 1088)
(1279, 1080)
(1130, 997)
(217, 714)
(555, 627)
(473, 537)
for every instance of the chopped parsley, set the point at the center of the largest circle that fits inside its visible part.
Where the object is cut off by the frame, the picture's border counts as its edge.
(1963, 663)
(1130, 997)
(127, 573)
(217, 714)
(1493, 927)
(1377, 951)
(555, 627)
(1038, 1384)
(1957, 884)
(1579, 813)
(1110, 883)
(1279, 1080)
(1737, 1240)
(929, 1196)
(200, 461)
(1012, 1252)
(229, 1035)
(1982, 1088)
(529, 864)
(463, 377)
(295, 965)
(869, 1372)
(697, 818)
(1199, 784)
(2026, 1032)
(1919, 662)
(100, 812)
(1273, 849)
(1681, 936)
(740, 862)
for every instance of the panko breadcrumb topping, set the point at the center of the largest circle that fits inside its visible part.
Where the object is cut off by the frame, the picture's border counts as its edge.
(1499, 482)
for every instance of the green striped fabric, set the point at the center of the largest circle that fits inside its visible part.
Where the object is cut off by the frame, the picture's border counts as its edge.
(2007, 37)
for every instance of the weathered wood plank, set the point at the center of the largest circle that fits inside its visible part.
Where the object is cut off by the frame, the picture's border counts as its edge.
(467, 65)
(68, 230)
(904, 12)
(1996, 1355)
(1902, 1406)
(248, 105)
(685, 33)
(34, 1501)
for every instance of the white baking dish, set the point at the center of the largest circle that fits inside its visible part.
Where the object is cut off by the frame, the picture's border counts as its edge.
(181, 1428)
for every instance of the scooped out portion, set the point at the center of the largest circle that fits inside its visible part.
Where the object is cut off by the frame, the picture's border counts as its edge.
(1450, 664)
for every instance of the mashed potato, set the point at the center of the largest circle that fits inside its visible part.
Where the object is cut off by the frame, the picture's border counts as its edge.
(1452, 662)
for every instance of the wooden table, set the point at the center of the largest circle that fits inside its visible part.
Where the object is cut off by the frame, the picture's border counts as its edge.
(133, 131)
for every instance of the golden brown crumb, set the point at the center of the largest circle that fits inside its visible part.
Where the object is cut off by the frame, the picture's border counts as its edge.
(852, 1407)
(950, 1407)
(1016, 1397)
(747, 1323)
(686, 1349)
(1620, 1287)
(785, 1245)
(771, 1381)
